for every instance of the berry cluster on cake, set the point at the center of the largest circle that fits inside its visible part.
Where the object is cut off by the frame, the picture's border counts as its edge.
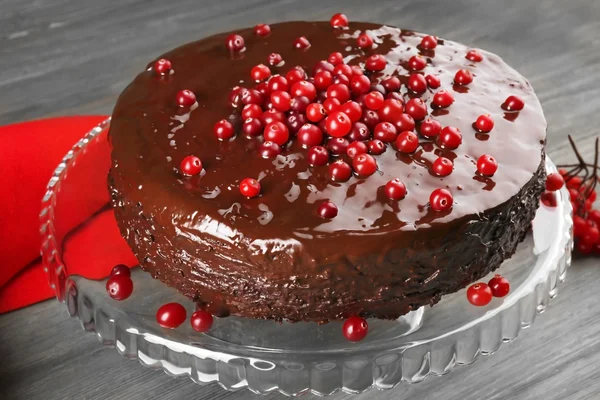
(315, 171)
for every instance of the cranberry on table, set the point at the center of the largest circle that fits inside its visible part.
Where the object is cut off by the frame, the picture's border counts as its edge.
(315, 112)
(429, 42)
(294, 121)
(277, 132)
(554, 181)
(274, 59)
(359, 132)
(120, 269)
(301, 43)
(318, 155)
(355, 329)
(335, 58)
(269, 149)
(364, 165)
(282, 101)
(252, 127)
(417, 83)
(119, 287)
(407, 142)
(479, 294)
(295, 74)
(391, 110)
(395, 189)
(463, 77)
(250, 187)
(191, 165)
(364, 41)
(201, 321)
(162, 66)
(171, 315)
(484, 123)
(370, 118)
(450, 138)
(223, 129)
(339, 20)
(376, 62)
(339, 171)
(430, 128)
(251, 111)
(343, 79)
(416, 108)
(442, 166)
(513, 103)
(352, 109)
(385, 131)
(343, 69)
(391, 84)
(235, 43)
(338, 124)
(310, 135)
(441, 200)
(404, 122)
(443, 99)
(360, 84)
(417, 63)
(338, 146)
(185, 98)
(356, 148)
(487, 165)
(327, 210)
(278, 82)
(374, 100)
(299, 104)
(376, 147)
(474, 55)
(260, 72)
(499, 286)
(304, 88)
(433, 81)
(251, 96)
(323, 79)
(338, 91)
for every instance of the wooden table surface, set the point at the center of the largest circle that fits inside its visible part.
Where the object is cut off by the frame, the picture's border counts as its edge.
(74, 57)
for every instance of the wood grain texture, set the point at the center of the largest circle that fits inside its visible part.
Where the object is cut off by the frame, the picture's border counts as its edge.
(74, 57)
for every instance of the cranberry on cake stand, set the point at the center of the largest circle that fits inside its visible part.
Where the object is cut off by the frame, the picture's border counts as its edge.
(293, 358)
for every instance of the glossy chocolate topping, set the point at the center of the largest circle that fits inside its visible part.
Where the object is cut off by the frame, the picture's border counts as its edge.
(273, 256)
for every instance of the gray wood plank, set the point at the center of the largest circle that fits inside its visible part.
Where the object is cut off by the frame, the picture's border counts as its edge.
(74, 57)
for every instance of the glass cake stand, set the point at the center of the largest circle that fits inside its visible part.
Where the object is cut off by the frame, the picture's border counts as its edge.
(265, 356)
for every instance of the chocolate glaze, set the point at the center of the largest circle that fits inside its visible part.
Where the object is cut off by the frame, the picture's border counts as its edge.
(272, 256)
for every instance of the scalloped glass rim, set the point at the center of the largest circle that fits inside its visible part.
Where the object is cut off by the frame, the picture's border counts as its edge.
(406, 350)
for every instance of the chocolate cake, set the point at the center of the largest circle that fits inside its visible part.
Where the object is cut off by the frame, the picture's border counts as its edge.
(423, 185)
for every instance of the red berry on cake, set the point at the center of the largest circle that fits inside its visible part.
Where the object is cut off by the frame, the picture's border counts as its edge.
(474, 55)
(327, 210)
(301, 43)
(391, 84)
(277, 132)
(235, 43)
(442, 166)
(260, 72)
(119, 287)
(443, 99)
(484, 123)
(355, 329)
(171, 315)
(120, 269)
(274, 59)
(374, 100)
(191, 165)
(430, 128)
(162, 66)
(429, 42)
(262, 30)
(338, 124)
(416, 108)
(318, 155)
(479, 294)
(282, 101)
(554, 181)
(376, 62)
(356, 148)
(223, 130)
(417, 83)
(499, 286)
(487, 165)
(395, 189)
(339, 171)
(385, 131)
(186, 98)
(309, 135)
(407, 142)
(201, 320)
(364, 41)
(449, 138)
(339, 20)
(364, 165)
(513, 103)
(249, 187)
(463, 77)
(417, 63)
(433, 81)
(376, 147)
(269, 149)
(440, 200)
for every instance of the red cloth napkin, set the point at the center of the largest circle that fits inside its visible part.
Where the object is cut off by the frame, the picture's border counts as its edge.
(29, 152)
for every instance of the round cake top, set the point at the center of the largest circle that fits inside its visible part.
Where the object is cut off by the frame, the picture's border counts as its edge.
(155, 127)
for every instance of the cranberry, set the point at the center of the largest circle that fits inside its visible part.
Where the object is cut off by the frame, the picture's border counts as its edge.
(304, 88)
(364, 41)
(395, 96)
(323, 79)
(262, 30)
(251, 111)
(429, 42)
(295, 74)
(249, 187)
(251, 96)
(335, 58)
(321, 66)
(301, 43)
(356, 148)
(430, 128)
(202, 320)
(376, 147)
(391, 84)
(310, 135)
(376, 62)
(355, 329)
(185, 98)
(299, 104)
(269, 149)
(404, 122)
(443, 98)
(433, 81)
(338, 91)
(277, 132)
(548, 199)
(370, 118)
(442, 166)
(554, 182)
(484, 123)
(223, 130)
(356, 70)
(274, 59)
(120, 269)
(331, 105)
(391, 110)
(315, 112)
(374, 100)
(463, 77)
(338, 124)
(360, 84)
(171, 315)
(487, 165)
(235, 43)
(417, 83)
(591, 235)
(479, 294)
(450, 138)
(339, 171)
(235, 97)
(416, 108)
(364, 165)
(260, 72)
(339, 20)
(474, 55)
(359, 132)
(272, 115)
(407, 142)
(352, 109)
(440, 200)
(119, 287)
(395, 189)
(295, 120)
(343, 79)
(252, 127)
(162, 66)
(338, 146)
(327, 210)
(278, 83)
(499, 286)
(191, 165)
(263, 88)
(385, 131)
(417, 63)
(318, 155)
(513, 103)
(282, 101)
(343, 69)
